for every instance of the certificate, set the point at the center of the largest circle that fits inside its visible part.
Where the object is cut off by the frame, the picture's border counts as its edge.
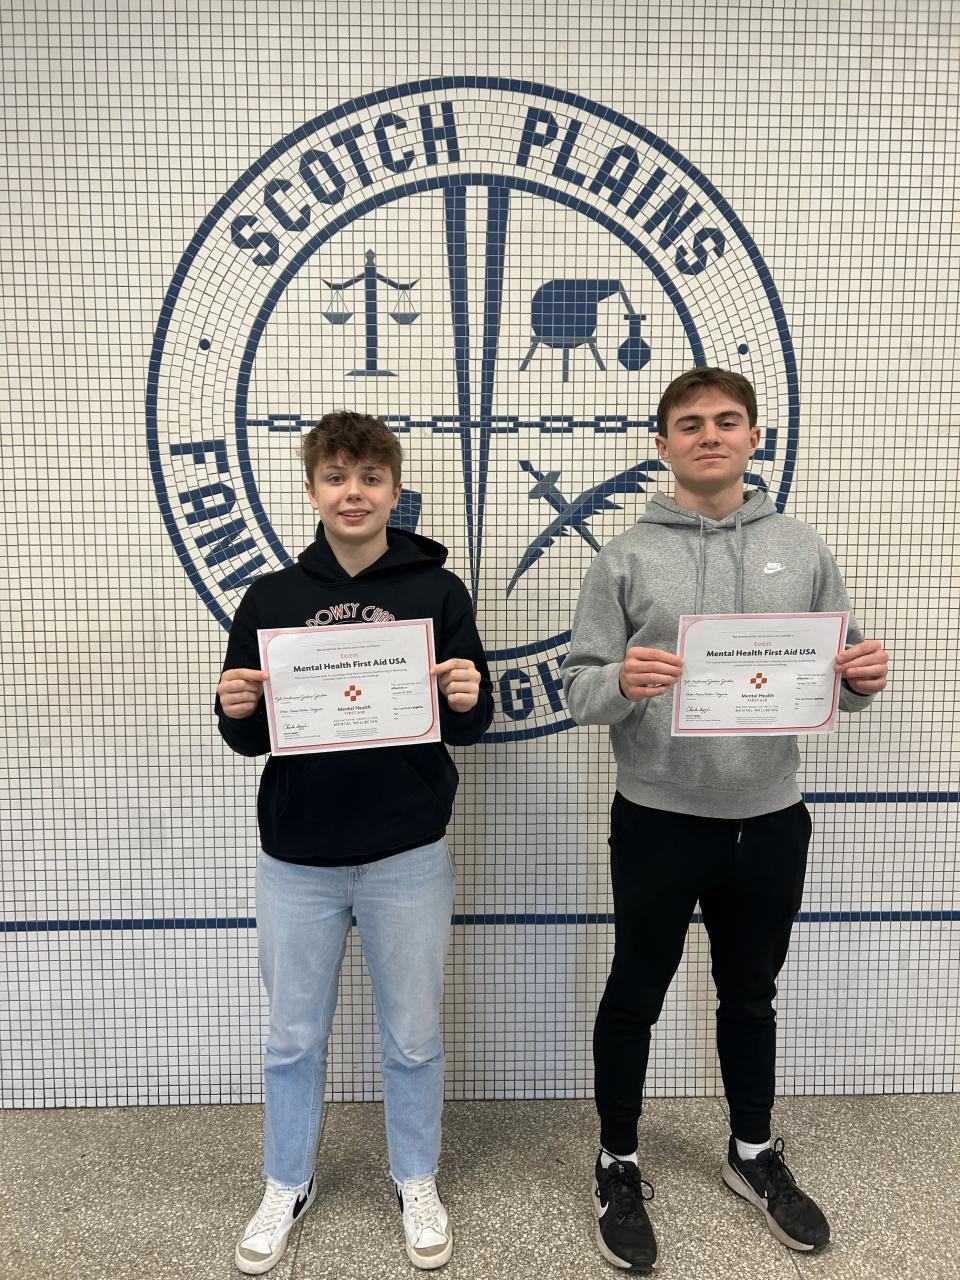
(347, 688)
(749, 673)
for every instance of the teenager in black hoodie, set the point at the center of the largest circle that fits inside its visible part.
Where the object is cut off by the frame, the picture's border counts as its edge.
(354, 833)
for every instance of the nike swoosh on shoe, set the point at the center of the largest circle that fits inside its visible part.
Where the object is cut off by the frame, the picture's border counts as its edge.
(301, 1201)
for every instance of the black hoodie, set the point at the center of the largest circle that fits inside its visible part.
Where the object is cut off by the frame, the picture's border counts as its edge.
(339, 808)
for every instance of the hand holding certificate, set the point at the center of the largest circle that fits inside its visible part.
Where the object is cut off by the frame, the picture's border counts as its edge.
(766, 673)
(343, 688)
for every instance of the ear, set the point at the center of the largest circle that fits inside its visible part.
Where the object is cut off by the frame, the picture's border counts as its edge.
(396, 496)
(310, 494)
(663, 449)
(754, 440)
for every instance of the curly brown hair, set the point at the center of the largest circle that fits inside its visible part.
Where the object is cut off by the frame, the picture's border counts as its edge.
(355, 436)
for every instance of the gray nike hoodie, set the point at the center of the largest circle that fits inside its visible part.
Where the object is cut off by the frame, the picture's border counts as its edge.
(674, 562)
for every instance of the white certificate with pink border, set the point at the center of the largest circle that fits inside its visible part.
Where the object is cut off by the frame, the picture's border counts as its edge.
(755, 673)
(351, 687)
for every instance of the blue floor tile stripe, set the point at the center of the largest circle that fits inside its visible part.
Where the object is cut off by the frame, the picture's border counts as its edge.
(881, 797)
(123, 925)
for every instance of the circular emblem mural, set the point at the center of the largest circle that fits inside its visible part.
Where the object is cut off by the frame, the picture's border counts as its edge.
(509, 275)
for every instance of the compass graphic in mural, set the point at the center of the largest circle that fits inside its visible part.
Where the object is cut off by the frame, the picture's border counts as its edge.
(509, 275)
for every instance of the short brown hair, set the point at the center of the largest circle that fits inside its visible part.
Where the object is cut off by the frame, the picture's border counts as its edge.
(355, 436)
(694, 381)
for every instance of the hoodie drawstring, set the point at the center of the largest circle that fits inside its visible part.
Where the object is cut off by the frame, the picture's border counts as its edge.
(702, 566)
(701, 570)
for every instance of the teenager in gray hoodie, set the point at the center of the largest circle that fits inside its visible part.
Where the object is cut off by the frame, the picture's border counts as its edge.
(719, 820)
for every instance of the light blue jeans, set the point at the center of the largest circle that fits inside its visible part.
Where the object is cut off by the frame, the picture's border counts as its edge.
(403, 905)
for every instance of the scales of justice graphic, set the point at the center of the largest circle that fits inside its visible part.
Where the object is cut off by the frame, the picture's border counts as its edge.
(338, 312)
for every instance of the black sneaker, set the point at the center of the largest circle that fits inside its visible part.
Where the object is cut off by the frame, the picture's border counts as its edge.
(624, 1234)
(769, 1186)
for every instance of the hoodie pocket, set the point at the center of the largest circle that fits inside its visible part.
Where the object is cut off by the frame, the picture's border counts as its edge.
(431, 768)
(351, 804)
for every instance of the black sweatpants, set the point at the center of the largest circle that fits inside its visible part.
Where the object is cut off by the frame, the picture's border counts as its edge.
(748, 876)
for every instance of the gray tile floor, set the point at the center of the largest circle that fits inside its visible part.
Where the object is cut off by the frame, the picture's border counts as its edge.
(162, 1191)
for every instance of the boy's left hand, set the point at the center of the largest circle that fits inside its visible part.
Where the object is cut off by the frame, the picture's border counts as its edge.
(864, 666)
(459, 683)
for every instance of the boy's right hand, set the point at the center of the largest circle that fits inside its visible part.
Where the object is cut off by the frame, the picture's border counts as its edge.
(239, 691)
(646, 673)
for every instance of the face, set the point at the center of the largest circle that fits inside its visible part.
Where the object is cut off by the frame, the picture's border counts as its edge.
(352, 499)
(709, 442)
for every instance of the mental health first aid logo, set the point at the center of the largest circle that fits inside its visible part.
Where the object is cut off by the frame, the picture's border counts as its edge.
(509, 275)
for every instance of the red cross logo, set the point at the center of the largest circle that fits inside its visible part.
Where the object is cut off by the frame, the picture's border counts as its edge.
(353, 693)
(759, 680)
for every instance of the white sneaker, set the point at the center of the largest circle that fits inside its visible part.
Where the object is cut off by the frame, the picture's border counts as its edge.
(429, 1235)
(265, 1238)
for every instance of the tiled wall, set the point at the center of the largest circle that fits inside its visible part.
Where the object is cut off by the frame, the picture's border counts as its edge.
(581, 200)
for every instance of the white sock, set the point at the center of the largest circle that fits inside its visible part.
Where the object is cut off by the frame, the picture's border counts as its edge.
(750, 1150)
(607, 1158)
